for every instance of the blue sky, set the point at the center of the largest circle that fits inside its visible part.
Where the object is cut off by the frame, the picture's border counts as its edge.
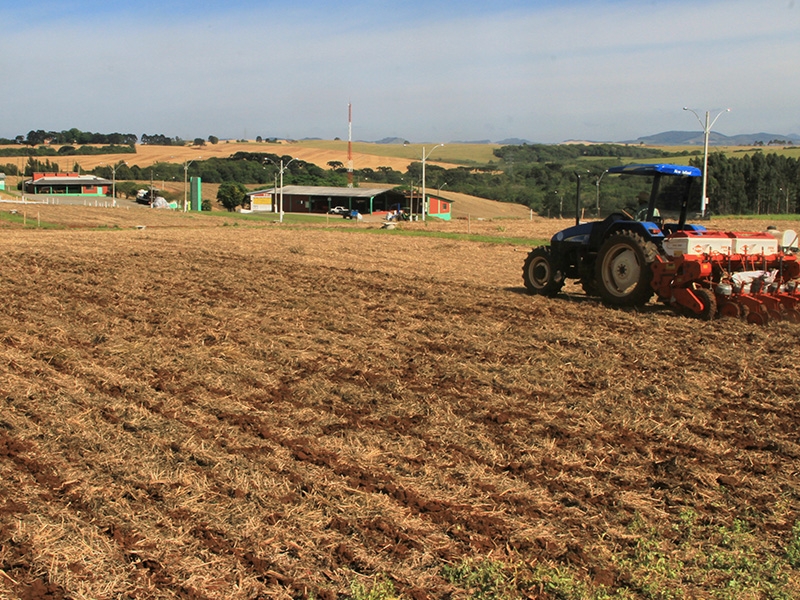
(426, 71)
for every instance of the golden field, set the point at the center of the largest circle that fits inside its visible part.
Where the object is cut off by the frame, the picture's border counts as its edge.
(319, 153)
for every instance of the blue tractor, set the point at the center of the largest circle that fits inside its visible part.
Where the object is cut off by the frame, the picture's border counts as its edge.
(613, 258)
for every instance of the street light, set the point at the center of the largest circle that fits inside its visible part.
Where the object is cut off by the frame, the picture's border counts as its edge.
(114, 181)
(186, 178)
(424, 158)
(264, 162)
(283, 168)
(706, 130)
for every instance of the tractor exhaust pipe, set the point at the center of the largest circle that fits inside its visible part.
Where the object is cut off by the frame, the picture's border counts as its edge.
(578, 200)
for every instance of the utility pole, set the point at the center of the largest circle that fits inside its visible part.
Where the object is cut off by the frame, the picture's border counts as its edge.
(706, 131)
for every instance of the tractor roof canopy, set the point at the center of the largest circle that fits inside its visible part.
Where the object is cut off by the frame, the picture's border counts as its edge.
(657, 169)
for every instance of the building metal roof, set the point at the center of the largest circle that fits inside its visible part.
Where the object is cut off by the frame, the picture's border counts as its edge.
(82, 180)
(322, 191)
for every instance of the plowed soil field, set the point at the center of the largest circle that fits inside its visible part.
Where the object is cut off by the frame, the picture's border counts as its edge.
(205, 411)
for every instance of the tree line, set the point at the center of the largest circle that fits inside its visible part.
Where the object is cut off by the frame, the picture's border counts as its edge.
(756, 183)
(542, 177)
(241, 167)
(34, 165)
(67, 150)
(72, 136)
(545, 179)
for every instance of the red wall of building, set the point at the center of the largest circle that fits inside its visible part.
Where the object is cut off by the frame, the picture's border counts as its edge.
(437, 206)
(43, 175)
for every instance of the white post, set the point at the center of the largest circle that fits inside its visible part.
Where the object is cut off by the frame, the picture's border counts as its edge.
(704, 197)
(280, 218)
(422, 201)
(283, 168)
(424, 158)
(114, 182)
(706, 132)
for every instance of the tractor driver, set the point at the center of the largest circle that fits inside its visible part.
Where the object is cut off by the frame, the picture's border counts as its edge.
(641, 209)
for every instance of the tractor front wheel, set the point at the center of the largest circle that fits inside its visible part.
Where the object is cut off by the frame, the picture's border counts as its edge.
(622, 272)
(539, 275)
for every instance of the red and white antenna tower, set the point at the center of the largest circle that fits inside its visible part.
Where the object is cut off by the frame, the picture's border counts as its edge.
(349, 145)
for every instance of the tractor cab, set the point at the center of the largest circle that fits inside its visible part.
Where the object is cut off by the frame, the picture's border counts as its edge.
(665, 212)
(669, 193)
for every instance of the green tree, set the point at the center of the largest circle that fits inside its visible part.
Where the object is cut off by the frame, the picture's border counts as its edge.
(231, 194)
(129, 189)
(212, 139)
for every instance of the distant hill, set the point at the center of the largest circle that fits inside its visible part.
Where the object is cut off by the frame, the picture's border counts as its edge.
(695, 138)
(507, 142)
(513, 142)
(391, 140)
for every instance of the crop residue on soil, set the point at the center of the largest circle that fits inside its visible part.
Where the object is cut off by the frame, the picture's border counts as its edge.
(245, 412)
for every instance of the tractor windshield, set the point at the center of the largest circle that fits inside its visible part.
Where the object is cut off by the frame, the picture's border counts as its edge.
(670, 197)
(658, 192)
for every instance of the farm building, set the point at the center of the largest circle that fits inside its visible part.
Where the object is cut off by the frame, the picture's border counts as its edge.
(312, 199)
(2, 181)
(67, 184)
(318, 199)
(439, 207)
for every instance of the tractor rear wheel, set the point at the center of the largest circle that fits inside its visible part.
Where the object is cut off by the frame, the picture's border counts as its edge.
(622, 270)
(539, 275)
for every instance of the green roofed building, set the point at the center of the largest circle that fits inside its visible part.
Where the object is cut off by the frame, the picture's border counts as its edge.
(319, 199)
(67, 184)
